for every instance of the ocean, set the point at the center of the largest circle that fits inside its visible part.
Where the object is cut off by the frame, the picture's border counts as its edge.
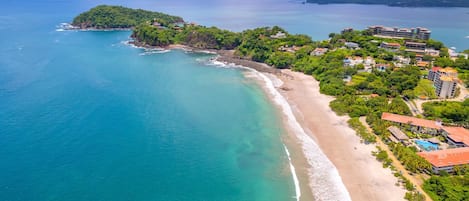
(84, 116)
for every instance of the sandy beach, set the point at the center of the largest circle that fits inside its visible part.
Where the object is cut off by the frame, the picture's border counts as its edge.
(363, 176)
(329, 158)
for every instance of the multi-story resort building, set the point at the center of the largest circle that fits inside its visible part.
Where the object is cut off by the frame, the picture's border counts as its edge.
(445, 81)
(457, 139)
(395, 32)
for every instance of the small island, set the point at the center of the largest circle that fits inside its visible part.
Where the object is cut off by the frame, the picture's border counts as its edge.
(401, 3)
(106, 17)
(381, 78)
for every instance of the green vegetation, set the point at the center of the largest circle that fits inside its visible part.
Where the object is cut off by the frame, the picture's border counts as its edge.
(111, 17)
(414, 196)
(424, 89)
(446, 188)
(401, 3)
(411, 161)
(368, 94)
(361, 131)
(383, 157)
(448, 111)
(193, 36)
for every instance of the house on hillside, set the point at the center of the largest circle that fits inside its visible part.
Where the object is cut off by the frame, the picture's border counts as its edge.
(382, 67)
(352, 45)
(279, 35)
(393, 47)
(319, 51)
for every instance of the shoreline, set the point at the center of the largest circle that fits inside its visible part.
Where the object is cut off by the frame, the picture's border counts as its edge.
(309, 123)
(323, 129)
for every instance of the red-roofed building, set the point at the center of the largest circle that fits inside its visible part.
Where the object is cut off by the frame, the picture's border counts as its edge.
(457, 136)
(418, 125)
(445, 160)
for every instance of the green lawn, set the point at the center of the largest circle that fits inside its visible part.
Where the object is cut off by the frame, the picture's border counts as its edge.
(425, 88)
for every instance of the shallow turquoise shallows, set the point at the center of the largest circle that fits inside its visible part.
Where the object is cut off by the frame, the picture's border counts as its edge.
(95, 119)
(85, 117)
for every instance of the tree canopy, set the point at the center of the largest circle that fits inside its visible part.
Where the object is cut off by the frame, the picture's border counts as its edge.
(109, 17)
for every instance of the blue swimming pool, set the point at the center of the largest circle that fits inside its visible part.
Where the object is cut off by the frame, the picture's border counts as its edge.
(426, 145)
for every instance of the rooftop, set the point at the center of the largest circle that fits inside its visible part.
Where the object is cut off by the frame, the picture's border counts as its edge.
(458, 134)
(448, 70)
(397, 133)
(446, 78)
(436, 68)
(423, 63)
(410, 120)
(447, 157)
(414, 43)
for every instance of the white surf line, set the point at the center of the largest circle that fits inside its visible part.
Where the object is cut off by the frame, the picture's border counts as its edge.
(325, 181)
(295, 178)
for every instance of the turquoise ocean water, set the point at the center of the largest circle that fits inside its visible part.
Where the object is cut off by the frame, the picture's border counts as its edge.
(85, 117)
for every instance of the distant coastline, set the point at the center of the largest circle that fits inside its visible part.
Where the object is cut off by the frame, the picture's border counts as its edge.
(402, 3)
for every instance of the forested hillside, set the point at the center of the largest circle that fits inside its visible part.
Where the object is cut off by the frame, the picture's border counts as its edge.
(109, 17)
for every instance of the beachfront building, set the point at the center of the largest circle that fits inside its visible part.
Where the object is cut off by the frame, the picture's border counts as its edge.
(457, 136)
(319, 51)
(393, 47)
(441, 160)
(397, 135)
(396, 32)
(417, 125)
(446, 160)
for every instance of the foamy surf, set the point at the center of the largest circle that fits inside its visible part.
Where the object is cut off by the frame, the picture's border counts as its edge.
(325, 181)
(293, 172)
(150, 52)
(64, 27)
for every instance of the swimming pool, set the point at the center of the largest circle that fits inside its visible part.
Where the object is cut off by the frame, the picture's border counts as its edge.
(426, 145)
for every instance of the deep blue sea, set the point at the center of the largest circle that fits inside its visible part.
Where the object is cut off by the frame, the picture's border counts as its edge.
(85, 117)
